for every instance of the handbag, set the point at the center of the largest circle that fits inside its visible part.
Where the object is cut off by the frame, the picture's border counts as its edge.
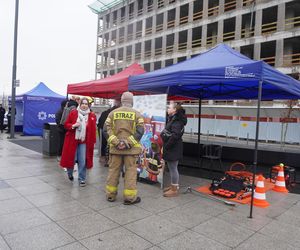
(165, 134)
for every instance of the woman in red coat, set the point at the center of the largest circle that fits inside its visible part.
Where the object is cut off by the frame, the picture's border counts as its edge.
(79, 141)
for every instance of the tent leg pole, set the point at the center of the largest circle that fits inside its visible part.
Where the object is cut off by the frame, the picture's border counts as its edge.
(199, 131)
(256, 145)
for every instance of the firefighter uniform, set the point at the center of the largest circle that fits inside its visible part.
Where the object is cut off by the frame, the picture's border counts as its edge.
(124, 126)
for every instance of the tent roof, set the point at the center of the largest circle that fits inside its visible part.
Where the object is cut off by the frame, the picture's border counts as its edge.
(43, 91)
(109, 87)
(219, 73)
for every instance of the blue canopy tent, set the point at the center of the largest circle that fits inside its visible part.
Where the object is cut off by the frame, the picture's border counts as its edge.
(220, 73)
(36, 107)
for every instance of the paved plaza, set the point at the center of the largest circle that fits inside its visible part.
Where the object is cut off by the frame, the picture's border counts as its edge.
(41, 209)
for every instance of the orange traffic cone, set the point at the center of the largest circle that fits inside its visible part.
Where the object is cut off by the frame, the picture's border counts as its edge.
(259, 198)
(280, 182)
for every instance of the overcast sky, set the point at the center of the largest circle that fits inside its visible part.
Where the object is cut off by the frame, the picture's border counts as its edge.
(56, 43)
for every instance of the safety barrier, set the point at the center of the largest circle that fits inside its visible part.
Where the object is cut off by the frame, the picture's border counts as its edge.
(211, 40)
(148, 31)
(291, 22)
(182, 46)
(184, 20)
(198, 15)
(228, 36)
(159, 27)
(213, 11)
(245, 33)
(268, 28)
(169, 49)
(291, 59)
(196, 43)
(230, 5)
(171, 24)
(269, 60)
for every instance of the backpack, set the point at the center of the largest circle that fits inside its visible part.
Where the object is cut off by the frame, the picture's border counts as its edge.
(65, 114)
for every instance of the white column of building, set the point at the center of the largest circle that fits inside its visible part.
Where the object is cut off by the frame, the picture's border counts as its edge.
(205, 9)
(220, 31)
(204, 35)
(258, 23)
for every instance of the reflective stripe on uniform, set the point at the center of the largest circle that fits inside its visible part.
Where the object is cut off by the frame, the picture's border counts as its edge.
(140, 121)
(108, 120)
(130, 192)
(109, 140)
(111, 189)
(123, 115)
(131, 138)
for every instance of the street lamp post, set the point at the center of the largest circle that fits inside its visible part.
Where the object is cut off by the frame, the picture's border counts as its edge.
(14, 74)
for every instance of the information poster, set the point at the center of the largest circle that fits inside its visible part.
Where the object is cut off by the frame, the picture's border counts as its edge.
(153, 109)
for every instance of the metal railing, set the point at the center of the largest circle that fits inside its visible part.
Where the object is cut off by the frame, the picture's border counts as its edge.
(196, 43)
(122, 19)
(129, 37)
(228, 36)
(269, 60)
(147, 53)
(292, 22)
(245, 33)
(291, 59)
(182, 46)
(121, 39)
(198, 15)
(159, 27)
(171, 24)
(158, 51)
(128, 58)
(150, 7)
(131, 15)
(160, 3)
(213, 11)
(138, 34)
(140, 12)
(138, 56)
(148, 31)
(247, 2)
(269, 28)
(169, 49)
(230, 5)
(211, 40)
(183, 20)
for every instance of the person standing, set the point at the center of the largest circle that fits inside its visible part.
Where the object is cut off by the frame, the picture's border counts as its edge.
(124, 128)
(60, 128)
(173, 145)
(79, 141)
(2, 114)
(100, 125)
(9, 119)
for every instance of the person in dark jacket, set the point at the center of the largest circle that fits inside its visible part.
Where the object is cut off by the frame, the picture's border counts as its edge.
(60, 128)
(2, 114)
(100, 126)
(9, 119)
(173, 146)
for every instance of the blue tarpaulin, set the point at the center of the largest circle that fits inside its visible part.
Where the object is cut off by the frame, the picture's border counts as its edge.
(37, 106)
(220, 73)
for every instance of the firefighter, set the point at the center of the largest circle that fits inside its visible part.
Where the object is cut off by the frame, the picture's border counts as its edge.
(124, 128)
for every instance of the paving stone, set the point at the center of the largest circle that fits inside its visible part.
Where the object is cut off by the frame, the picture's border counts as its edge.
(98, 202)
(116, 239)
(156, 205)
(282, 232)
(24, 181)
(206, 206)
(155, 229)
(262, 242)
(86, 225)
(154, 248)
(4, 184)
(8, 193)
(72, 246)
(3, 245)
(190, 240)
(35, 189)
(13, 173)
(184, 216)
(222, 231)
(21, 220)
(40, 238)
(81, 192)
(123, 214)
(49, 198)
(64, 210)
(254, 224)
(14, 205)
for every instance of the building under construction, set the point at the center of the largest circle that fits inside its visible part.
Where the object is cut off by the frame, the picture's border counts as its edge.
(159, 33)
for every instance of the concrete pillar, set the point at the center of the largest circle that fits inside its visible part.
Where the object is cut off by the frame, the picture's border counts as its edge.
(152, 48)
(279, 53)
(256, 54)
(205, 9)
(258, 23)
(189, 40)
(163, 47)
(281, 17)
(221, 6)
(145, 2)
(238, 27)
(126, 13)
(191, 10)
(176, 41)
(165, 22)
(134, 30)
(220, 31)
(239, 4)
(204, 35)
(142, 50)
(177, 16)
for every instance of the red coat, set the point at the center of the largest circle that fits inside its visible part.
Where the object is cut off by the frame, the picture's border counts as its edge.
(70, 144)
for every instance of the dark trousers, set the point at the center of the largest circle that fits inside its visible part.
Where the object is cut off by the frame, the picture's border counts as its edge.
(61, 140)
(103, 145)
(1, 124)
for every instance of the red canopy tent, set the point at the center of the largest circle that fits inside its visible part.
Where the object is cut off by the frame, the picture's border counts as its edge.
(110, 87)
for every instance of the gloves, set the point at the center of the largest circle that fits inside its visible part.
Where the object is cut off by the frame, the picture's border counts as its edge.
(123, 144)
